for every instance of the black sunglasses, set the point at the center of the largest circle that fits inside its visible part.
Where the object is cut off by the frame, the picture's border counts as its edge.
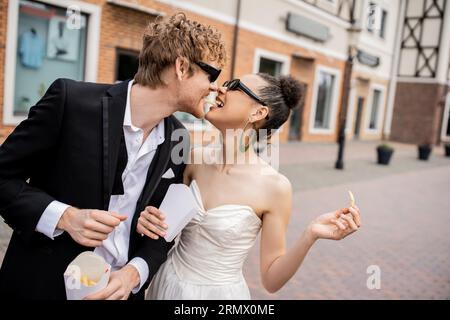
(213, 73)
(236, 84)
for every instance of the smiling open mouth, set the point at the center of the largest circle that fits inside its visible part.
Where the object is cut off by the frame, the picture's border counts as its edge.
(219, 102)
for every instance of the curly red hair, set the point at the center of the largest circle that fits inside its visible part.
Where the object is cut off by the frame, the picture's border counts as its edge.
(166, 39)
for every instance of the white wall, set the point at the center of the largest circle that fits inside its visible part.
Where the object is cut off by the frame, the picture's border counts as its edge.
(375, 45)
(268, 18)
(431, 30)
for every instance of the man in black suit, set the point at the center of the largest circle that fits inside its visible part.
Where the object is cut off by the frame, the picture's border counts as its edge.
(75, 175)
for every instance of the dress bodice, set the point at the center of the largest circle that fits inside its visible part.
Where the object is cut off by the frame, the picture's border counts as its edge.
(212, 248)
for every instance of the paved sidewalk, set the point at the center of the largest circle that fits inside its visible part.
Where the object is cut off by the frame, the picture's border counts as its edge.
(406, 224)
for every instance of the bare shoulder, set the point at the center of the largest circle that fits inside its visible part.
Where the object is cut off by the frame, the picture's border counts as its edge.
(278, 190)
(276, 182)
(280, 186)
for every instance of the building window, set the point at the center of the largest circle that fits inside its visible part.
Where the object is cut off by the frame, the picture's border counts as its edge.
(46, 42)
(445, 134)
(47, 48)
(383, 23)
(323, 107)
(269, 62)
(377, 20)
(269, 66)
(375, 109)
(127, 64)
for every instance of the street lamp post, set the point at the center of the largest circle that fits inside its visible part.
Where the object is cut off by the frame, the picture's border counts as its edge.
(352, 51)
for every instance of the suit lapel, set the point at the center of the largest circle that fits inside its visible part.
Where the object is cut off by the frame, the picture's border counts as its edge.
(154, 175)
(113, 111)
(157, 166)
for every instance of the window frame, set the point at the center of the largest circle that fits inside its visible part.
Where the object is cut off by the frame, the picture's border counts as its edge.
(445, 118)
(274, 56)
(334, 100)
(124, 52)
(381, 33)
(91, 58)
(381, 109)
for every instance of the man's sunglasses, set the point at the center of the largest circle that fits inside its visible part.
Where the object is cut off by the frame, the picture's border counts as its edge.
(213, 73)
(236, 84)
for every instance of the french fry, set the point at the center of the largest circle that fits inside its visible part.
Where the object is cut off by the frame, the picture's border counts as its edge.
(352, 199)
(84, 280)
(87, 282)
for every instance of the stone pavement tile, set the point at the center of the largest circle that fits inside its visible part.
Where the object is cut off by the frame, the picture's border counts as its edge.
(323, 174)
(405, 232)
(405, 208)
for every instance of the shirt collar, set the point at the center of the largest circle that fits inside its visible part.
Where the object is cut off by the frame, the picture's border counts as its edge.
(157, 133)
(127, 118)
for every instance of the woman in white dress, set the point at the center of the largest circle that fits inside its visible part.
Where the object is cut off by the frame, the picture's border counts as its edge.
(236, 199)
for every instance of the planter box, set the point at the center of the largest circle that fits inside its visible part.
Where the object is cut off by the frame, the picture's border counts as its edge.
(424, 152)
(384, 155)
(447, 150)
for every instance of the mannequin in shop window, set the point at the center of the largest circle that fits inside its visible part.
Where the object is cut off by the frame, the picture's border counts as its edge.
(61, 42)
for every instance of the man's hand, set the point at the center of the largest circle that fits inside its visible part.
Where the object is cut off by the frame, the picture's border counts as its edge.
(120, 284)
(89, 227)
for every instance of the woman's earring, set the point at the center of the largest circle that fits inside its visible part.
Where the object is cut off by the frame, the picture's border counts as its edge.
(243, 148)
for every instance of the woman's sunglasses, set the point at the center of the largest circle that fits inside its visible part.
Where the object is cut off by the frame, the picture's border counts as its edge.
(213, 73)
(236, 84)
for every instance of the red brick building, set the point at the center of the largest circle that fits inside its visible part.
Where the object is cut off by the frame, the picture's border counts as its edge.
(101, 39)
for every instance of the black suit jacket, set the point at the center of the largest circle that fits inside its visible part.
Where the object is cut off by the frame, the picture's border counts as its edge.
(67, 150)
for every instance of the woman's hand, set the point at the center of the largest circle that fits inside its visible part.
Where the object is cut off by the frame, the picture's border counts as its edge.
(336, 225)
(151, 223)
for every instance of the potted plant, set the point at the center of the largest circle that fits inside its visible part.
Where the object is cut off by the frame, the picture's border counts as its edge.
(447, 149)
(424, 151)
(384, 152)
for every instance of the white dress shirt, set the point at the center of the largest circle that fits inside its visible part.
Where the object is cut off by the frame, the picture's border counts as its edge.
(140, 154)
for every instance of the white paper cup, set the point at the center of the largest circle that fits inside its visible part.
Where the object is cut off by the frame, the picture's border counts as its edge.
(88, 264)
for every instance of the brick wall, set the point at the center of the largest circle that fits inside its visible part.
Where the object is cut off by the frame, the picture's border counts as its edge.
(417, 113)
(122, 28)
(249, 42)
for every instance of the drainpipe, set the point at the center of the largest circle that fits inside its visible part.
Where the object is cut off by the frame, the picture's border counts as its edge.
(235, 38)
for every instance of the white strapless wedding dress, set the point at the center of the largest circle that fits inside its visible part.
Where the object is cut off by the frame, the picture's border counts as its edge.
(207, 260)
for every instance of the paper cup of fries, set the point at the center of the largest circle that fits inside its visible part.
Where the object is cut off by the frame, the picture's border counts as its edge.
(86, 274)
